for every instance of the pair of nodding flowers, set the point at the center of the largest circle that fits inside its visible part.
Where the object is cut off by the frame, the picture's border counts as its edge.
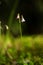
(18, 17)
(22, 18)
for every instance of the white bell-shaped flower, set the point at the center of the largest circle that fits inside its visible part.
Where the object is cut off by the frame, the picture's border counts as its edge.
(22, 20)
(6, 27)
(18, 16)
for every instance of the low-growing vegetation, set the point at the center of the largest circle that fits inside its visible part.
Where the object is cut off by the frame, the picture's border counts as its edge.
(27, 50)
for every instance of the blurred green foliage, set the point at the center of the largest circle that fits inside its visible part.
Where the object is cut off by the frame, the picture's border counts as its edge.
(22, 51)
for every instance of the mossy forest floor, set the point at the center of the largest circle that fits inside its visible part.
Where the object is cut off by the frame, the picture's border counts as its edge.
(26, 50)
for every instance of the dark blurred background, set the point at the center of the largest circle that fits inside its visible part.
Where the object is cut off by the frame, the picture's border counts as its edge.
(32, 10)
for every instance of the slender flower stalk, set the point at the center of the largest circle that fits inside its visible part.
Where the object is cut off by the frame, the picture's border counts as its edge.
(20, 27)
(18, 17)
(20, 20)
